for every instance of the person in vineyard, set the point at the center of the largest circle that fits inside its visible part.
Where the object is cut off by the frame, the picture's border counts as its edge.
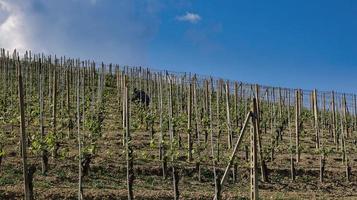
(140, 97)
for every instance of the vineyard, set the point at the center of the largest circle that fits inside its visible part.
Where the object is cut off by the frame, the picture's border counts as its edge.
(76, 129)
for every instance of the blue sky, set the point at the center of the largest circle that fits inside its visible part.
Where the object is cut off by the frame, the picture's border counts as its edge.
(289, 43)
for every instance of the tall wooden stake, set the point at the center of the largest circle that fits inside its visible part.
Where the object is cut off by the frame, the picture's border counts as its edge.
(297, 124)
(28, 194)
(229, 129)
(189, 121)
(129, 151)
(80, 175)
(263, 166)
(254, 195)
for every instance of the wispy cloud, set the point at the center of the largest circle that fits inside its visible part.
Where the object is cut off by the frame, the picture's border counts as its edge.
(189, 17)
(93, 2)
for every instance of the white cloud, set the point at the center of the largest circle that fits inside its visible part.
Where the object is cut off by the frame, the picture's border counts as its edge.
(189, 17)
(80, 30)
(13, 30)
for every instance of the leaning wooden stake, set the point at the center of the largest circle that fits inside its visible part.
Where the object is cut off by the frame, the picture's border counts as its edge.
(236, 147)
(28, 195)
(232, 157)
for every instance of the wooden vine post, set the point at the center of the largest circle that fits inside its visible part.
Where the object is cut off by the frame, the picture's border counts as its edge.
(272, 125)
(297, 124)
(334, 121)
(54, 110)
(263, 166)
(162, 155)
(254, 195)
(197, 129)
(344, 137)
(49, 81)
(129, 151)
(80, 174)
(229, 129)
(123, 108)
(236, 111)
(44, 157)
(25, 169)
(316, 118)
(292, 162)
(217, 188)
(68, 100)
(218, 111)
(175, 174)
(323, 120)
(189, 121)
(317, 135)
(206, 110)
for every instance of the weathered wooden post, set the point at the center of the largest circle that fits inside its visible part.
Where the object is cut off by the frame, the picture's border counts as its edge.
(254, 195)
(263, 166)
(229, 129)
(292, 167)
(68, 100)
(316, 118)
(344, 130)
(162, 155)
(216, 180)
(80, 174)
(334, 121)
(54, 109)
(44, 158)
(25, 171)
(129, 151)
(218, 115)
(236, 111)
(317, 135)
(297, 124)
(189, 121)
(197, 129)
